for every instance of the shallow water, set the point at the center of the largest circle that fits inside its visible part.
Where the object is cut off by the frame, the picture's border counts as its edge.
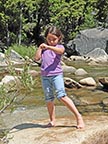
(35, 97)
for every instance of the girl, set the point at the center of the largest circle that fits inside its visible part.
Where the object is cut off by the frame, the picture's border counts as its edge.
(52, 75)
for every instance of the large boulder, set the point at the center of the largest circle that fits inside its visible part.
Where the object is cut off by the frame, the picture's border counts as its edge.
(97, 52)
(65, 132)
(88, 40)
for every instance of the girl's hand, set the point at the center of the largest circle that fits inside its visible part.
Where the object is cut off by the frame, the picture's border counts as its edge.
(43, 46)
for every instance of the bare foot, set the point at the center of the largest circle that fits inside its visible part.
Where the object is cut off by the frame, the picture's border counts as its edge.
(80, 123)
(50, 124)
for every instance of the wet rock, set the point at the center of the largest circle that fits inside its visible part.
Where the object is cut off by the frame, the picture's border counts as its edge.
(70, 83)
(104, 81)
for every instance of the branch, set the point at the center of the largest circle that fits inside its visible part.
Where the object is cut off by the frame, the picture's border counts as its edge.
(8, 104)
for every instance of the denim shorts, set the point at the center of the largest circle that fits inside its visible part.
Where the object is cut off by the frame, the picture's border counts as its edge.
(53, 86)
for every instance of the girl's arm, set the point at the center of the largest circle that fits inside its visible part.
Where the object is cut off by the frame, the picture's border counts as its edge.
(57, 49)
(53, 48)
(38, 54)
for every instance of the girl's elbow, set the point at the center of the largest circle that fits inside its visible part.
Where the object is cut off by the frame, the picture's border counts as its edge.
(62, 51)
(37, 58)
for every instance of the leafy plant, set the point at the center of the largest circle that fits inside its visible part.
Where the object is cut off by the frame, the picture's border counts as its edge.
(9, 93)
(26, 79)
(6, 99)
(23, 50)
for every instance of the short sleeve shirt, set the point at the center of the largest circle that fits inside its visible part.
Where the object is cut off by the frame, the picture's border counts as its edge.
(51, 62)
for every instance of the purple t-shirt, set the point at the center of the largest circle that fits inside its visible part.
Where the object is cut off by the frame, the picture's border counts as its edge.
(51, 64)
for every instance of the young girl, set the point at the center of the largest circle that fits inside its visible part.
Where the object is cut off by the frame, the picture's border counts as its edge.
(52, 75)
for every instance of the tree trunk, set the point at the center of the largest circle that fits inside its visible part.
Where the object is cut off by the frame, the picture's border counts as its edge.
(20, 26)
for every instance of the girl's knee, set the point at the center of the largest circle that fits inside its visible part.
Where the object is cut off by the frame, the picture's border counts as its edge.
(61, 98)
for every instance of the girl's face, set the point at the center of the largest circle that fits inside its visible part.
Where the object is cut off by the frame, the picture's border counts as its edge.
(52, 39)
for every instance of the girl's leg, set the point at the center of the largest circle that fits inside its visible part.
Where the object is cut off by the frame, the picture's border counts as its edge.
(61, 94)
(49, 98)
(68, 102)
(51, 111)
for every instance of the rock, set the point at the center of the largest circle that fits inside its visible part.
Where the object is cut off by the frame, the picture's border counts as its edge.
(14, 56)
(27, 126)
(10, 82)
(80, 72)
(78, 58)
(33, 132)
(2, 57)
(62, 63)
(7, 79)
(93, 62)
(104, 81)
(88, 81)
(70, 83)
(70, 49)
(68, 69)
(89, 39)
(31, 72)
(98, 55)
(105, 101)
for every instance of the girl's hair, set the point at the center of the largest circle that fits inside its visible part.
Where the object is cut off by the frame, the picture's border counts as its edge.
(55, 31)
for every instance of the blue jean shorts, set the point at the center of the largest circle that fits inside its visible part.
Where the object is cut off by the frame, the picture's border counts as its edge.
(53, 86)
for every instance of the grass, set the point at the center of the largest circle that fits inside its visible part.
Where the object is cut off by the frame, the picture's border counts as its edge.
(23, 50)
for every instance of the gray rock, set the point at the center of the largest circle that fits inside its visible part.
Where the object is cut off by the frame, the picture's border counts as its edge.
(88, 40)
(68, 69)
(15, 56)
(80, 71)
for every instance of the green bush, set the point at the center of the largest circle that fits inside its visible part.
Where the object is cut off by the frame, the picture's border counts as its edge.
(24, 50)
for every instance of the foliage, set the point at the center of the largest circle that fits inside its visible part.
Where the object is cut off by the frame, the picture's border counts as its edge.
(21, 20)
(23, 80)
(6, 99)
(23, 50)
(8, 95)
(24, 77)
(67, 15)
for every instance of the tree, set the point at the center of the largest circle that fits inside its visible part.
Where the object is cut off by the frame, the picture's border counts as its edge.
(102, 13)
(14, 18)
(23, 20)
(70, 15)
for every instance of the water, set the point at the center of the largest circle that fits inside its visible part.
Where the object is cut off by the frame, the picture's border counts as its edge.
(35, 97)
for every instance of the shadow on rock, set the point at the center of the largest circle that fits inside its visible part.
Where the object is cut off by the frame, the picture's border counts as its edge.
(27, 126)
